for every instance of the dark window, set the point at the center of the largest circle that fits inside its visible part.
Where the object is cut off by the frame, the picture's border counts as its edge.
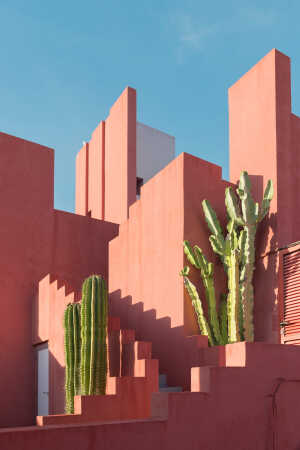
(139, 184)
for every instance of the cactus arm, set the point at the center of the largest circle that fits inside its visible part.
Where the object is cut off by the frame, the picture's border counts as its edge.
(190, 254)
(248, 204)
(216, 246)
(197, 304)
(207, 274)
(232, 206)
(217, 240)
(265, 205)
(212, 221)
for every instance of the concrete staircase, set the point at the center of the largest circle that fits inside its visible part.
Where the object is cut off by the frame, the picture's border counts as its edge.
(133, 376)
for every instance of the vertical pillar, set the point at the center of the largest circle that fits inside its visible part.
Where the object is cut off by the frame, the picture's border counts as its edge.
(120, 157)
(96, 171)
(81, 200)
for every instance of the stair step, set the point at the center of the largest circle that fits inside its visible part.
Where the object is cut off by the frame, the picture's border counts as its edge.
(170, 389)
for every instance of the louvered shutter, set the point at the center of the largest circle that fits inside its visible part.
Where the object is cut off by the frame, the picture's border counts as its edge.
(291, 297)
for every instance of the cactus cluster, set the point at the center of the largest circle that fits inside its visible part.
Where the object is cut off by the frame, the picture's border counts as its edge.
(237, 253)
(85, 328)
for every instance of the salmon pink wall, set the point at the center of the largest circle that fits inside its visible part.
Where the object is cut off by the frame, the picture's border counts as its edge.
(96, 172)
(120, 157)
(146, 290)
(35, 239)
(264, 140)
(106, 166)
(26, 199)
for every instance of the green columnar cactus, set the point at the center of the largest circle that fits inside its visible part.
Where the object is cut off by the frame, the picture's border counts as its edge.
(197, 304)
(243, 222)
(250, 216)
(93, 336)
(101, 361)
(76, 328)
(196, 257)
(228, 251)
(232, 261)
(72, 345)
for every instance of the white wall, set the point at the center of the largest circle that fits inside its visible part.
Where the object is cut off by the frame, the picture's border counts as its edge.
(155, 150)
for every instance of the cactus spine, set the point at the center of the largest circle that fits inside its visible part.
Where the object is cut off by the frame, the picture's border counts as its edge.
(93, 336)
(72, 347)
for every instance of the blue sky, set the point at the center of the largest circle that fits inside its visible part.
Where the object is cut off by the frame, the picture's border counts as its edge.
(64, 63)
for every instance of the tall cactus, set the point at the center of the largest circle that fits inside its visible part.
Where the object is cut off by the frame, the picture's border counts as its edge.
(228, 251)
(244, 215)
(251, 215)
(197, 304)
(237, 252)
(196, 257)
(93, 336)
(72, 354)
(77, 346)
(233, 300)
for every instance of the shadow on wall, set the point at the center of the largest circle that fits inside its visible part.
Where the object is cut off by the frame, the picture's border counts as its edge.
(266, 311)
(171, 346)
(121, 359)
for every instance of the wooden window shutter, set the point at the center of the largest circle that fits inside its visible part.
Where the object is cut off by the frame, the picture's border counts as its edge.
(291, 298)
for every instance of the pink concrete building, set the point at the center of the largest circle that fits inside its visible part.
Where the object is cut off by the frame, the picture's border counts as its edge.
(135, 204)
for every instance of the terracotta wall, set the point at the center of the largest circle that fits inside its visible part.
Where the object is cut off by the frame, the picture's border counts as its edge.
(146, 290)
(120, 157)
(264, 140)
(96, 169)
(35, 239)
